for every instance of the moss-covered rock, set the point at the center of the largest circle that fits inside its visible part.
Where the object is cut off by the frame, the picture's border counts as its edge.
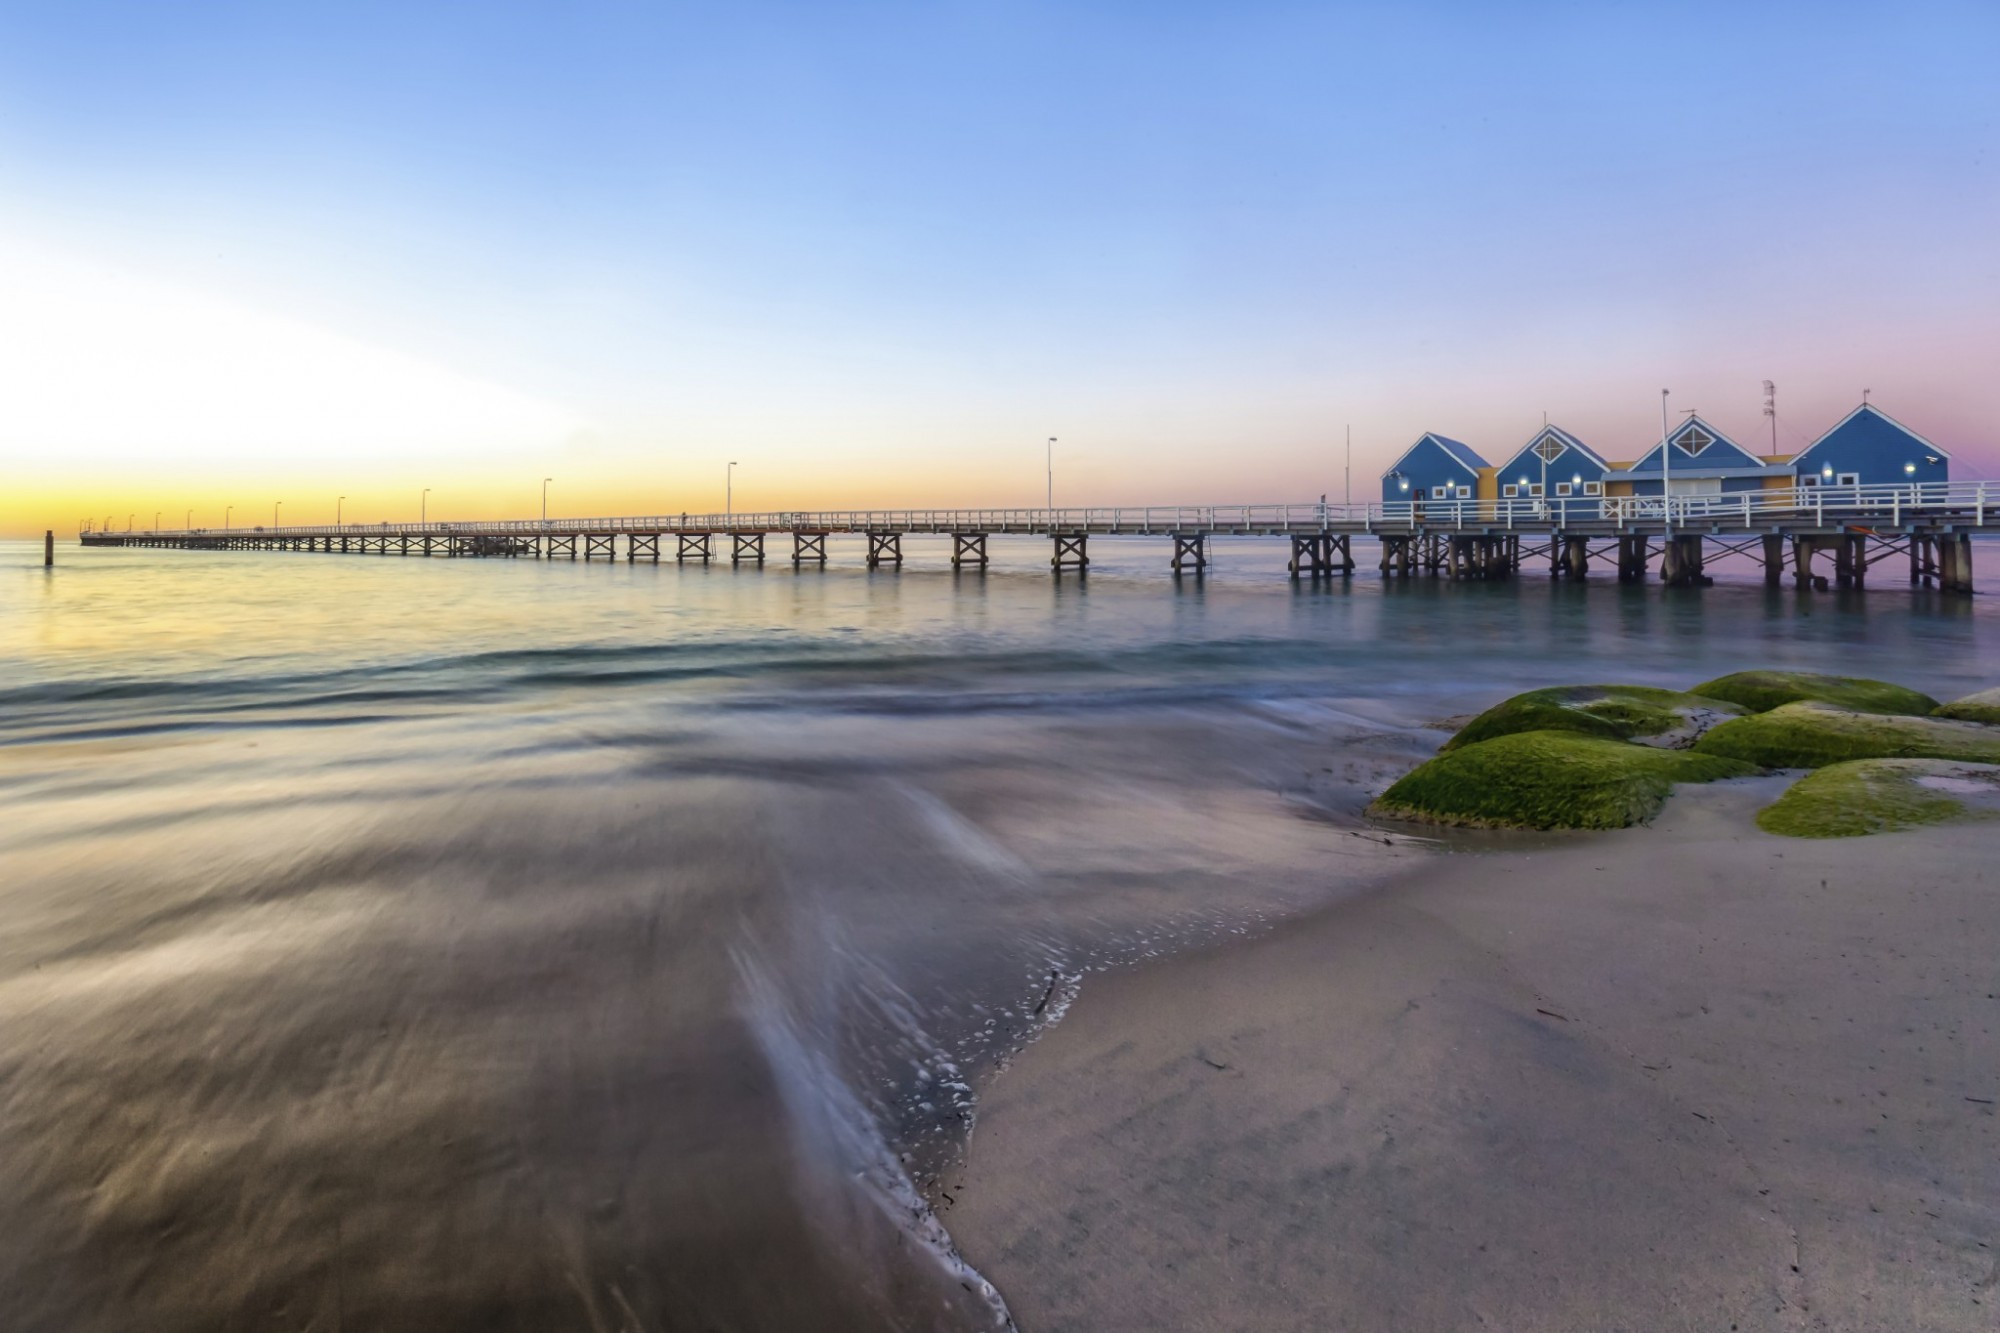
(1615, 712)
(1981, 707)
(1761, 691)
(1865, 796)
(1548, 780)
(1812, 735)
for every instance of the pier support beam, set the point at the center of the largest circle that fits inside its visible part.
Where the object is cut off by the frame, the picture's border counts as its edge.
(1803, 551)
(885, 548)
(604, 544)
(1477, 557)
(1774, 559)
(1072, 551)
(1320, 555)
(968, 548)
(1190, 552)
(1954, 559)
(693, 546)
(1681, 563)
(808, 546)
(1396, 555)
(746, 546)
(1850, 561)
(1633, 557)
(1576, 557)
(642, 543)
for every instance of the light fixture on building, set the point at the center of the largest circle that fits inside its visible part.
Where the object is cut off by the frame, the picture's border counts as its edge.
(1909, 469)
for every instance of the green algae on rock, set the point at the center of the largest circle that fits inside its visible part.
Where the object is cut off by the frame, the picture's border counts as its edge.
(1761, 691)
(1615, 712)
(1812, 735)
(1548, 780)
(1863, 796)
(1981, 707)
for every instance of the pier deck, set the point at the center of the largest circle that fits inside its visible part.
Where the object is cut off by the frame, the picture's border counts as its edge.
(1855, 527)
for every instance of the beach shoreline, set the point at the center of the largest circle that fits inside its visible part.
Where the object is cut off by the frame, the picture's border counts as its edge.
(1688, 1075)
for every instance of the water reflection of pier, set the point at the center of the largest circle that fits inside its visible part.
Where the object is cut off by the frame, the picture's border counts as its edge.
(1817, 536)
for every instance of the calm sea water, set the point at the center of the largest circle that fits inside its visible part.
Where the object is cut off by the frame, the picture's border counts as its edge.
(401, 944)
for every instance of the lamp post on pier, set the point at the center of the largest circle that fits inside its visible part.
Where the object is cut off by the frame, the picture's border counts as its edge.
(156, 520)
(1666, 485)
(188, 523)
(545, 500)
(424, 508)
(1049, 461)
(225, 516)
(337, 510)
(276, 505)
(729, 496)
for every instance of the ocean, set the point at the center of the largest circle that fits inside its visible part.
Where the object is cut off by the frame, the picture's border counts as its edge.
(506, 945)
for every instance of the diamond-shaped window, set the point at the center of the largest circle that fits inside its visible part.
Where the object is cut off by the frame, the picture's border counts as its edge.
(1549, 448)
(1693, 440)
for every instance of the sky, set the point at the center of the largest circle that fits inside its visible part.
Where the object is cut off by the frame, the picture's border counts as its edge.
(258, 255)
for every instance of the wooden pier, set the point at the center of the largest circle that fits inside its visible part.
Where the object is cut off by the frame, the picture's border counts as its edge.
(1816, 537)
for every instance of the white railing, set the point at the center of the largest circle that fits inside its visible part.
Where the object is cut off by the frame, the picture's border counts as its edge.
(1960, 502)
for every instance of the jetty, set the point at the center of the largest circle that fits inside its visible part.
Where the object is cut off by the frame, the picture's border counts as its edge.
(1816, 535)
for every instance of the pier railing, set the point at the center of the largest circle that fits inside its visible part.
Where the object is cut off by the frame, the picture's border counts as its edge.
(1961, 503)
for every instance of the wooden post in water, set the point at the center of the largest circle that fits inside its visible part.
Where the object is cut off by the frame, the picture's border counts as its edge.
(49, 549)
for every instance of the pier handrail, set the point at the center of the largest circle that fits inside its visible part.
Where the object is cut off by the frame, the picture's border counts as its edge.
(1959, 502)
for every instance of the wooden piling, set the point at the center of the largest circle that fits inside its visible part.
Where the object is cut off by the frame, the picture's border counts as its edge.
(49, 549)
(1191, 552)
(968, 548)
(885, 548)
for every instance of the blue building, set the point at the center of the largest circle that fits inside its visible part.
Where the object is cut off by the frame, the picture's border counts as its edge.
(1868, 447)
(1704, 462)
(1555, 459)
(1434, 468)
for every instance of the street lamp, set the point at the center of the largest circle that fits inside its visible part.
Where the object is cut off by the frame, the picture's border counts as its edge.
(156, 520)
(336, 510)
(225, 516)
(545, 500)
(1666, 486)
(728, 493)
(275, 506)
(1051, 462)
(424, 508)
(128, 521)
(188, 524)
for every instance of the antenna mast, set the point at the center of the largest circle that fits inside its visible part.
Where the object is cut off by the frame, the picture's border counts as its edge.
(1771, 412)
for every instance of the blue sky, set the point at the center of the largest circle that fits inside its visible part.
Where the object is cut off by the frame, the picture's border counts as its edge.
(879, 252)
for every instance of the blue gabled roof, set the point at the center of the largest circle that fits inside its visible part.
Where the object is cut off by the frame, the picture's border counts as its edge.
(1713, 456)
(1868, 409)
(1464, 453)
(1568, 439)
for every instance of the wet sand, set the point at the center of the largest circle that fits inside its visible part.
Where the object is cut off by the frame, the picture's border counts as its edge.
(1691, 1076)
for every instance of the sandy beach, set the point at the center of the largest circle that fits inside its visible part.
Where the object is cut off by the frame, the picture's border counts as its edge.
(1686, 1076)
